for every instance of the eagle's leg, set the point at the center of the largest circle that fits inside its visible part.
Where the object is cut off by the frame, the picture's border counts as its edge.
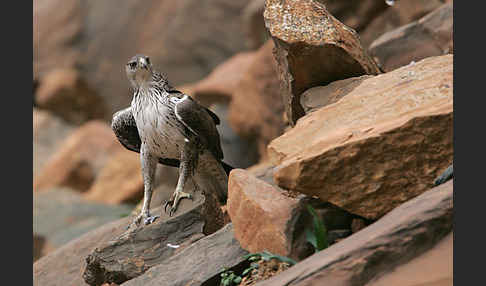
(186, 168)
(149, 165)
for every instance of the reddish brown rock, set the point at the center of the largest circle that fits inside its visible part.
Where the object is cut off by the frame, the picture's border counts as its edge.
(312, 48)
(98, 40)
(66, 94)
(263, 217)
(220, 84)
(429, 36)
(79, 158)
(119, 181)
(356, 14)
(408, 235)
(256, 109)
(380, 145)
(401, 13)
(48, 132)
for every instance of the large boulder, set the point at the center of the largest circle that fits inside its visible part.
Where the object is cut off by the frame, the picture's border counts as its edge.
(79, 158)
(185, 39)
(380, 145)
(256, 111)
(312, 48)
(426, 37)
(406, 234)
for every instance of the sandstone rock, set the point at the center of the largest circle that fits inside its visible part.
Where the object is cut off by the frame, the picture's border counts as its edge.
(79, 158)
(41, 247)
(380, 145)
(196, 263)
(66, 94)
(61, 215)
(266, 217)
(312, 48)
(401, 13)
(320, 96)
(119, 181)
(400, 236)
(220, 84)
(263, 217)
(432, 268)
(356, 14)
(135, 251)
(256, 109)
(48, 132)
(186, 39)
(429, 36)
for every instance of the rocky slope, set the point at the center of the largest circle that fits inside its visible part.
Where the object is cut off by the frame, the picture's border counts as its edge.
(338, 116)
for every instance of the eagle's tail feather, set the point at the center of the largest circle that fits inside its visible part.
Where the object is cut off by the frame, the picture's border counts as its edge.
(211, 176)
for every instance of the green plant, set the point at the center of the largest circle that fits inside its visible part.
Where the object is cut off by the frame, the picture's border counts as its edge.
(229, 278)
(318, 235)
(265, 255)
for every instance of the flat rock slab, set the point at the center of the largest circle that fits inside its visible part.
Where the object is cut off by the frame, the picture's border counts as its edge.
(403, 234)
(138, 249)
(426, 37)
(381, 144)
(312, 48)
(60, 215)
(196, 263)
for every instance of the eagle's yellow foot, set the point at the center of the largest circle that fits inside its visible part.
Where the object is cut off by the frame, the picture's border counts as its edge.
(174, 201)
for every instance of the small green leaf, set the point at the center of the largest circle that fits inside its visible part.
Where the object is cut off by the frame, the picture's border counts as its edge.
(319, 229)
(237, 280)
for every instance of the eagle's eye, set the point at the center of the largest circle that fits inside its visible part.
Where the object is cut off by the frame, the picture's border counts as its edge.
(132, 65)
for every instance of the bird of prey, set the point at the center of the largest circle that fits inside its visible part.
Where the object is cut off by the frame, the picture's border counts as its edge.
(167, 126)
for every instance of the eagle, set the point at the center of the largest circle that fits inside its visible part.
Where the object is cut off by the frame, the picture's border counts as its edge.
(169, 127)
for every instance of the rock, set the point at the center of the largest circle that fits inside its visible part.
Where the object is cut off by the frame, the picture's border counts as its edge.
(401, 13)
(66, 94)
(312, 48)
(256, 109)
(426, 37)
(98, 40)
(219, 250)
(48, 132)
(320, 96)
(266, 217)
(79, 158)
(135, 251)
(119, 181)
(220, 84)
(400, 236)
(434, 268)
(356, 14)
(367, 153)
(263, 217)
(66, 262)
(60, 215)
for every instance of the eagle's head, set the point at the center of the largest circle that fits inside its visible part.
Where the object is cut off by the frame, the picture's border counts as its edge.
(139, 70)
